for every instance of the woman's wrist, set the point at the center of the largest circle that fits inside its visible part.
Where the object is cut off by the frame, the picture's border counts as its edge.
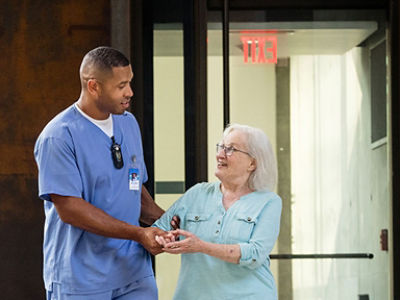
(203, 247)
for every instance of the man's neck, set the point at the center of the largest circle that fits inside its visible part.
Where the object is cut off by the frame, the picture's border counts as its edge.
(88, 108)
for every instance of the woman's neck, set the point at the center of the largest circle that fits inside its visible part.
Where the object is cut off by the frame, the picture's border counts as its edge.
(232, 192)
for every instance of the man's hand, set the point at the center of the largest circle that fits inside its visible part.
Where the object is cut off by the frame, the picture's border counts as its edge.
(148, 239)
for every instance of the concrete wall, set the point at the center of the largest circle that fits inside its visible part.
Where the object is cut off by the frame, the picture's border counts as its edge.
(42, 44)
(339, 182)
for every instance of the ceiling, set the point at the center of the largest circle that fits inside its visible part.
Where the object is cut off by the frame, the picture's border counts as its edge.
(293, 38)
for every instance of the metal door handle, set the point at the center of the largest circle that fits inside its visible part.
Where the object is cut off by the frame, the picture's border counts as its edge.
(318, 256)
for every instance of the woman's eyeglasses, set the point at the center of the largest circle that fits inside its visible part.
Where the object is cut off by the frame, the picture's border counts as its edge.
(229, 150)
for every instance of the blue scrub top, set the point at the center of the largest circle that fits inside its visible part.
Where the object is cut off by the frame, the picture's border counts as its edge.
(74, 159)
(252, 222)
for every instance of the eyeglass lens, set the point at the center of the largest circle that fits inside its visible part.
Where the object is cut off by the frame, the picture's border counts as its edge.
(227, 150)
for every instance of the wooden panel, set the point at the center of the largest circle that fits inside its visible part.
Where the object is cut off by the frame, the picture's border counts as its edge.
(42, 45)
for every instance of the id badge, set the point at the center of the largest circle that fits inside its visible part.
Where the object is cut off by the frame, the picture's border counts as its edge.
(134, 182)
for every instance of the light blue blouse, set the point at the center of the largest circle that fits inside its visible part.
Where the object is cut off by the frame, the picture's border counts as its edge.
(252, 222)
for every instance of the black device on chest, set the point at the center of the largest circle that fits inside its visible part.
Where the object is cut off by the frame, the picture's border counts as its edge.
(116, 154)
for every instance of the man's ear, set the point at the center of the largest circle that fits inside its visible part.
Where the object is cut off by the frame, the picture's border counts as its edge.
(93, 86)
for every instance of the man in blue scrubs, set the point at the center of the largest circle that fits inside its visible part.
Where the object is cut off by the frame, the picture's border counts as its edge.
(94, 247)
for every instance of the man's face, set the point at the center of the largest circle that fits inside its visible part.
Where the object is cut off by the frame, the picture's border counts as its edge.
(115, 91)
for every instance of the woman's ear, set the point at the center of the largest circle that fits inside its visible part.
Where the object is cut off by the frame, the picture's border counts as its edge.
(253, 165)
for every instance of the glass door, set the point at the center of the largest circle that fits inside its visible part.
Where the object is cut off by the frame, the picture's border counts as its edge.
(318, 88)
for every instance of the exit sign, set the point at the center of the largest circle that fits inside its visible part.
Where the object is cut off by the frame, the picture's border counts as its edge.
(266, 46)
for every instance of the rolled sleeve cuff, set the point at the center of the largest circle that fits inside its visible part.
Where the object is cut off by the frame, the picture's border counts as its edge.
(248, 257)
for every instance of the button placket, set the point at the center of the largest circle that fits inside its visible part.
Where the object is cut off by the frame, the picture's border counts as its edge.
(219, 223)
(218, 233)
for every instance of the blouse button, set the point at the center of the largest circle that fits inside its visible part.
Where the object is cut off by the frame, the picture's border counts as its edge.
(196, 218)
(248, 219)
(219, 222)
(217, 232)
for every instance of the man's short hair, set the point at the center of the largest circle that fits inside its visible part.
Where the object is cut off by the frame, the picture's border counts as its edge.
(105, 58)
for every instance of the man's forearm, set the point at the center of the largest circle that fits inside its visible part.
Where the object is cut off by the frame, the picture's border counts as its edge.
(79, 213)
(150, 211)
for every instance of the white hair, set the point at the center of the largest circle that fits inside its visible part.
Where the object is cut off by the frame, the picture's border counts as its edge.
(260, 148)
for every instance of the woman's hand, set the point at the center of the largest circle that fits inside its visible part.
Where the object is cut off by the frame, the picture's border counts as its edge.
(167, 238)
(170, 244)
(190, 244)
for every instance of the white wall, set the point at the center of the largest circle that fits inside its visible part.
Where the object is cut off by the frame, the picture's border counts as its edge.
(169, 147)
(339, 184)
(252, 100)
(214, 110)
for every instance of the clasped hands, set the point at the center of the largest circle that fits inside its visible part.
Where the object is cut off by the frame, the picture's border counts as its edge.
(171, 243)
(157, 241)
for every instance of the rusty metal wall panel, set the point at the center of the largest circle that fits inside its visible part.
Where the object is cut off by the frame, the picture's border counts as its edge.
(41, 46)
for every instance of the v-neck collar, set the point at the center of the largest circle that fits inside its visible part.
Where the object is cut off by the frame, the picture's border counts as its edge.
(221, 197)
(116, 132)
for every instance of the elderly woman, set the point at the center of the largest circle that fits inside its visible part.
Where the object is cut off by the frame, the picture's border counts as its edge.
(229, 227)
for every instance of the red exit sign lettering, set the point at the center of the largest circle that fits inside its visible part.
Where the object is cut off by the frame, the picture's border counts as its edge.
(265, 54)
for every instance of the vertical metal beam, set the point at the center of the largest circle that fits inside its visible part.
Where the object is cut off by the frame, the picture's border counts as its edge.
(142, 83)
(285, 288)
(195, 70)
(225, 47)
(141, 57)
(395, 135)
(120, 26)
(136, 58)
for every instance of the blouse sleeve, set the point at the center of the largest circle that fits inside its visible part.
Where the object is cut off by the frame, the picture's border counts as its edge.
(164, 222)
(179, 208)
(264, 235)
